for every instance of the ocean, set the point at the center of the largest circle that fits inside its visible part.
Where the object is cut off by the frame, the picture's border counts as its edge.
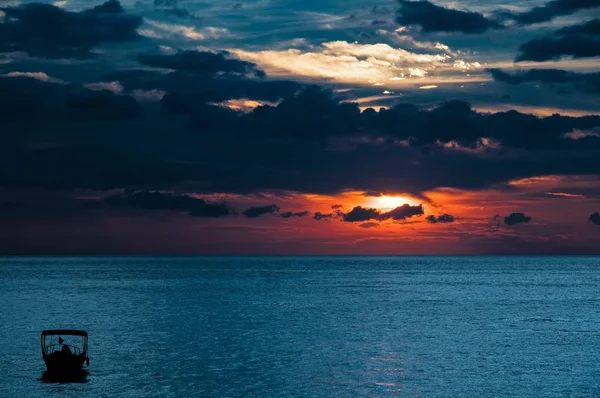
(307, 326)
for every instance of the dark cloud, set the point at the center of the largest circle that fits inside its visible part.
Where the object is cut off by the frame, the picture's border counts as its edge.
(585, 82)
(433, 18)
(516, 218)
(375, 194)
(360, 214)
(587, 28)
(320, 216)
(47, 31)
(153, 200)
(103, 105)
(266, 150)
(84, 166)
(443, 218)
(291, 214)
(205, 84)
(201, 62)
(496, 221)
(548, 48)
(403, 212)
(551, 10)
(170, 7)
(165, 3)
(369, 225)
(253, 212)
(23, 98)
(595, 218)
(334, 207)
(314, 113)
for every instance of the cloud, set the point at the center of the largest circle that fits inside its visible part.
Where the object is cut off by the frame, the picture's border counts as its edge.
(334, 207)
(433, 18)
(42, 76)
(368, 225)
(595, 218)
(360, 214)
(348, 62)
(291, 146)
(553, 49)
(320, 216)
(516, 218)
(443, 218)
(591, 27)
(154, 200)
(254, 212)
(104, 105)
(170, 7)
(582, 134)
(203, 77)
(403, 212)
(406, 41)
(551, 10)
(201, 62)
(585, 82)
(162, 30)
(291, 214)
(85, 167)
(115, 87)
(79, 33)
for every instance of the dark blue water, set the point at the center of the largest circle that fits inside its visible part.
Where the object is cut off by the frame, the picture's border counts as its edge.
(311, 327)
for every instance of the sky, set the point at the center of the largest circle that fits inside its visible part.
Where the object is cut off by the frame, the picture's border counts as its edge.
(287, 127)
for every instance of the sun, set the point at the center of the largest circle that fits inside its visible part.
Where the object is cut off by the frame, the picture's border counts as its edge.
(390, 201)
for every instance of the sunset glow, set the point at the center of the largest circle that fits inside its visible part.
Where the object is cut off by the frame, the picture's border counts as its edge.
(287, 127)
(388, 202)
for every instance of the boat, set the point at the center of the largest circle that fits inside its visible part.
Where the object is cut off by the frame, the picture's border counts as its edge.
(65, 351)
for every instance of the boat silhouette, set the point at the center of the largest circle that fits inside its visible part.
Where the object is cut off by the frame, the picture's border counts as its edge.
(65, 352)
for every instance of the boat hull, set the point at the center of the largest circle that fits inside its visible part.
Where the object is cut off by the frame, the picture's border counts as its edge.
(64, 364)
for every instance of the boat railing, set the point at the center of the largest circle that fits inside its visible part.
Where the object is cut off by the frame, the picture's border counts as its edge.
(51, 349)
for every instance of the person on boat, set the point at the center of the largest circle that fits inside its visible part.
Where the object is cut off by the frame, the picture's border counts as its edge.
(66, 350)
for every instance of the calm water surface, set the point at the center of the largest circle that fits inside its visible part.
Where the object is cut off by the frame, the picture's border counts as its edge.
(308, 326)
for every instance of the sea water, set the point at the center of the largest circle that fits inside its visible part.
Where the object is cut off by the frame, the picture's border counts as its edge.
(307, 326)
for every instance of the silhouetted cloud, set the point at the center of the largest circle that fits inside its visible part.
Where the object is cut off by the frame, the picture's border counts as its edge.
(434, 18)
(320, 216)
(359, 213)
(201, 62)
(443, 218)
(153, 200)
(516, 218)
(197, 79)
(103, 105)
(369, 225)
(375, 194)
(47, 31)
(585, 82)
(291, 214)
(85, 166)
(551, 10)
(253, 212)
(403, 212)
(548, 48)
(334, 207)
(595, 218)
(262, 149)
(170, 7)
(587, 28)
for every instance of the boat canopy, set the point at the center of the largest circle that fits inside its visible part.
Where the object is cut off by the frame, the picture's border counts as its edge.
(65, 332)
